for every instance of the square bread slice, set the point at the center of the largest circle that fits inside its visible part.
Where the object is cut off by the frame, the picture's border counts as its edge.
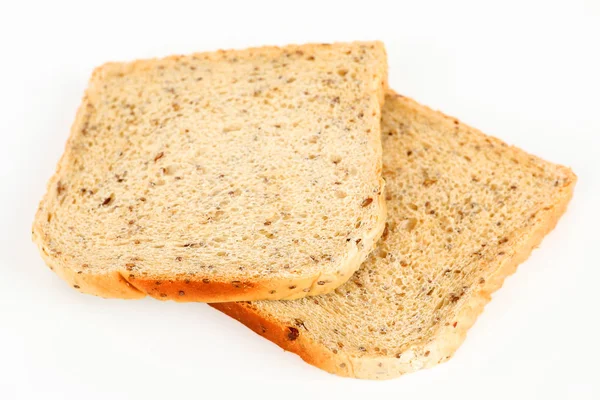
(232, 175)
(464, 209)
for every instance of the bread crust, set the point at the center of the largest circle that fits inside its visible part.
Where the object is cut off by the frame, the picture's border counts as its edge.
(416, 356)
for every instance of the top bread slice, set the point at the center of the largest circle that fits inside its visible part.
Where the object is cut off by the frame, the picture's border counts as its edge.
(464, 209)
(232, 175)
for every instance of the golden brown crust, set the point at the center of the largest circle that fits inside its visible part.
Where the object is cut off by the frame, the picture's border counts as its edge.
(289, 338)
(248, 53)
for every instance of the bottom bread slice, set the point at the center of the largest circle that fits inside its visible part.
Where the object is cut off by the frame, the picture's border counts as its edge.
(464, 210)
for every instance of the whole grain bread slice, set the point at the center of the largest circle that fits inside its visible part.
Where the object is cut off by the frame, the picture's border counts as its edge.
(464, 209)
(232, 175)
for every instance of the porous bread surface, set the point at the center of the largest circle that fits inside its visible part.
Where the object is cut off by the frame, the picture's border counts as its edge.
(464, 209)
(233, 175)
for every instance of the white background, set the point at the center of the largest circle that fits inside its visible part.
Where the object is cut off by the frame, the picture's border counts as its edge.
(527, 72)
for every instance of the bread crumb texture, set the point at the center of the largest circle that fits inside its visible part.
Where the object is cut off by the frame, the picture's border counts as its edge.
(232, 175)
(464, 209)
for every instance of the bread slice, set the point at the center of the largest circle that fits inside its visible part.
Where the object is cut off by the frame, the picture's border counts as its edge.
(233, 175)
(464, 210)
